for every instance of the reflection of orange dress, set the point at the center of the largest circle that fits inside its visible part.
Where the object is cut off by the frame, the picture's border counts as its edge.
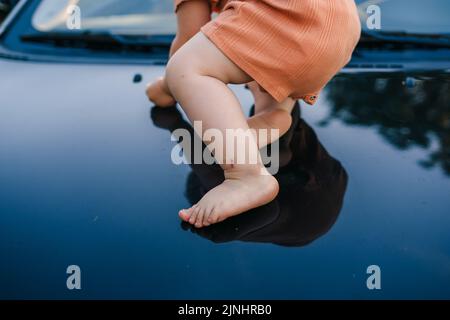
(291, 48)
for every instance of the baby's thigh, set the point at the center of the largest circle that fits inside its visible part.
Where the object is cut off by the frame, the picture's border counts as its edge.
(191, 16)
(200, 56)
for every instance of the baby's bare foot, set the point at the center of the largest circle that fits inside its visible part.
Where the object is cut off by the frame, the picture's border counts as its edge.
(273, 119)
(239, 193)
(158, 95)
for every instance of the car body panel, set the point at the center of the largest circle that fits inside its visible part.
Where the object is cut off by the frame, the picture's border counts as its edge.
(87, 179)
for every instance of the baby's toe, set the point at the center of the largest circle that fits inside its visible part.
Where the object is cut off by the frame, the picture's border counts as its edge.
(185, 214)
(207, 216)
(213, 217)
(199, 220)
(206, 223)
(194, 215)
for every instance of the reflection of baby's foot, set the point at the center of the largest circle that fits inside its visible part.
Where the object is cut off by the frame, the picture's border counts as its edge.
(240, 192)
(158, 95)
(273, 119)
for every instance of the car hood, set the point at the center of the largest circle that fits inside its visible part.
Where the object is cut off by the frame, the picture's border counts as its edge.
(86, 178)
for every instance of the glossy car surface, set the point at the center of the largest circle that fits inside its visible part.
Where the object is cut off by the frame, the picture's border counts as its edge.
(86, 178)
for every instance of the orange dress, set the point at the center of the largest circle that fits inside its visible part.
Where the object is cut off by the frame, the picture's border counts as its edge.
(291, 48)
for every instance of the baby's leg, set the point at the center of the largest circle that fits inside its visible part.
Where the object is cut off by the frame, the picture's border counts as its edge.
(191, 16)
(270, 114)
(198, 75)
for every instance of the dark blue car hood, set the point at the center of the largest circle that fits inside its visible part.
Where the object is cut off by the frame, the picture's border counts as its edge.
(86, 178)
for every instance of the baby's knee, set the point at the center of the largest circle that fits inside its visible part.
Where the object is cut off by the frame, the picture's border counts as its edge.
(180, 71)
(174, 72)
(177, 69)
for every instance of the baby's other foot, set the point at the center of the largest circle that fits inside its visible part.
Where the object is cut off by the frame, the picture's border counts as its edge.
(240, 192)
(269, 114)
(278, 119)
(157, 94)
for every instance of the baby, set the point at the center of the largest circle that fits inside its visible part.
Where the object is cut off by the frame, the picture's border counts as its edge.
(284, 50)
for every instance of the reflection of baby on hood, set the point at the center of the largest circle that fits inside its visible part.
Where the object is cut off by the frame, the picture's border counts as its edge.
(312, 188)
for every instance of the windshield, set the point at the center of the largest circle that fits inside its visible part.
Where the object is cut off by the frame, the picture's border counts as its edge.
(150, 17)
(130, 17)
(412, 16)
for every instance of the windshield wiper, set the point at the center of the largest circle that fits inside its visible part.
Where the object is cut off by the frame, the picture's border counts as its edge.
(402, 38)
(102, 40)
